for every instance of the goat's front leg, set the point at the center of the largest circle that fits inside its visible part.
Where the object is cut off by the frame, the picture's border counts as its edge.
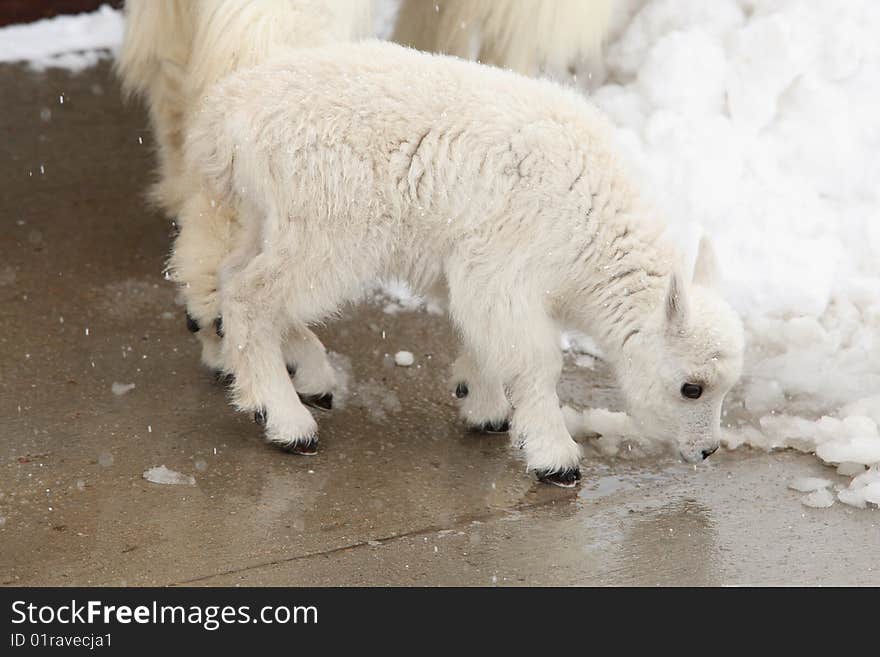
(523, 351)
(483, 403)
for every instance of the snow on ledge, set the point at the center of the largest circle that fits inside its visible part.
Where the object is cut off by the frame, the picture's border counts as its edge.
(68, 42)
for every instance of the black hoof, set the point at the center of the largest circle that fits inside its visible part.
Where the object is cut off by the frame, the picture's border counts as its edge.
(563, 478)
(218, 326)
(502, 426)
(307, 447)
(323, 401)
(461, 390)
(191, 325)
(260, 417)
(223, 378)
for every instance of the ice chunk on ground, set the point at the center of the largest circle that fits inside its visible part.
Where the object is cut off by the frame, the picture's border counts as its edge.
(121, 388)
(864, 449)
(596, 422)
(613, 431)
(404, 358)
(809, 484)
(163, 475)
(818, 499)
(863, 489)
(850, 469)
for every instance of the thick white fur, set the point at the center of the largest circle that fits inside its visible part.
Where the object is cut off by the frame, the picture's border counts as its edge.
(172, 52)
(153, 63)
(360, 161)
(527, 36)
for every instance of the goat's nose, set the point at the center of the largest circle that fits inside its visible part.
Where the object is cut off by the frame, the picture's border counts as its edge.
(709, 452)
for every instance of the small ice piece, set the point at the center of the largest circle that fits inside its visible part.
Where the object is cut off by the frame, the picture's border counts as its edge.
(852, 498)
(863, 449)
(120, 389)
(818, 499)
(404, 358)
(871, 493)
(162, 475)
(596, 421)
(809, 484)
(850, 469)
(863, 489)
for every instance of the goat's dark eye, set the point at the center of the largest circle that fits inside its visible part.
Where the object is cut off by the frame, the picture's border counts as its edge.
(691, 390)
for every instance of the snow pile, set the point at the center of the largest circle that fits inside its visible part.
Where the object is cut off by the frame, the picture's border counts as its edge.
(754, 122)
(69, 42)
(162, 475)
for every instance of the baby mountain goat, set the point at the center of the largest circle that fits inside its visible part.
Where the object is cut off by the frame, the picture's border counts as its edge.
(350, 163)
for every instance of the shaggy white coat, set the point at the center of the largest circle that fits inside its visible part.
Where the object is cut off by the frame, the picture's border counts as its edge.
(173, 50)
(354, 162)
(527, 36)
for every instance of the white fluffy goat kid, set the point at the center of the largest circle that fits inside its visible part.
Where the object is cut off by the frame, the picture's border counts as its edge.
(173, 51)
(527, 36)
(359, 161)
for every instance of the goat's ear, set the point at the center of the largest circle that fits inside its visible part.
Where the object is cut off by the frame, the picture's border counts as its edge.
(706, 268)
(676, 303)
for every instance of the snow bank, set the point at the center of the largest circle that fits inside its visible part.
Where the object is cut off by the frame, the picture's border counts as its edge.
(69, 42)
(754, 122)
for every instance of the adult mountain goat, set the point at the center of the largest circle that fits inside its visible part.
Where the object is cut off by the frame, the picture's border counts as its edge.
(173, 51)
(527, 36)
(353, 162)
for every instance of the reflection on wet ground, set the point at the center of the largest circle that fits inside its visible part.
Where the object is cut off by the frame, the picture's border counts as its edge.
(402, 497)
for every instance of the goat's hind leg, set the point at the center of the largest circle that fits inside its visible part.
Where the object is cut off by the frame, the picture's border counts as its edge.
(313, 375)
(254, 322)
(483, 403)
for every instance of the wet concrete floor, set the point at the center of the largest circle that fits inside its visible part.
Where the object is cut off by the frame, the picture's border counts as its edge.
(399, 494)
